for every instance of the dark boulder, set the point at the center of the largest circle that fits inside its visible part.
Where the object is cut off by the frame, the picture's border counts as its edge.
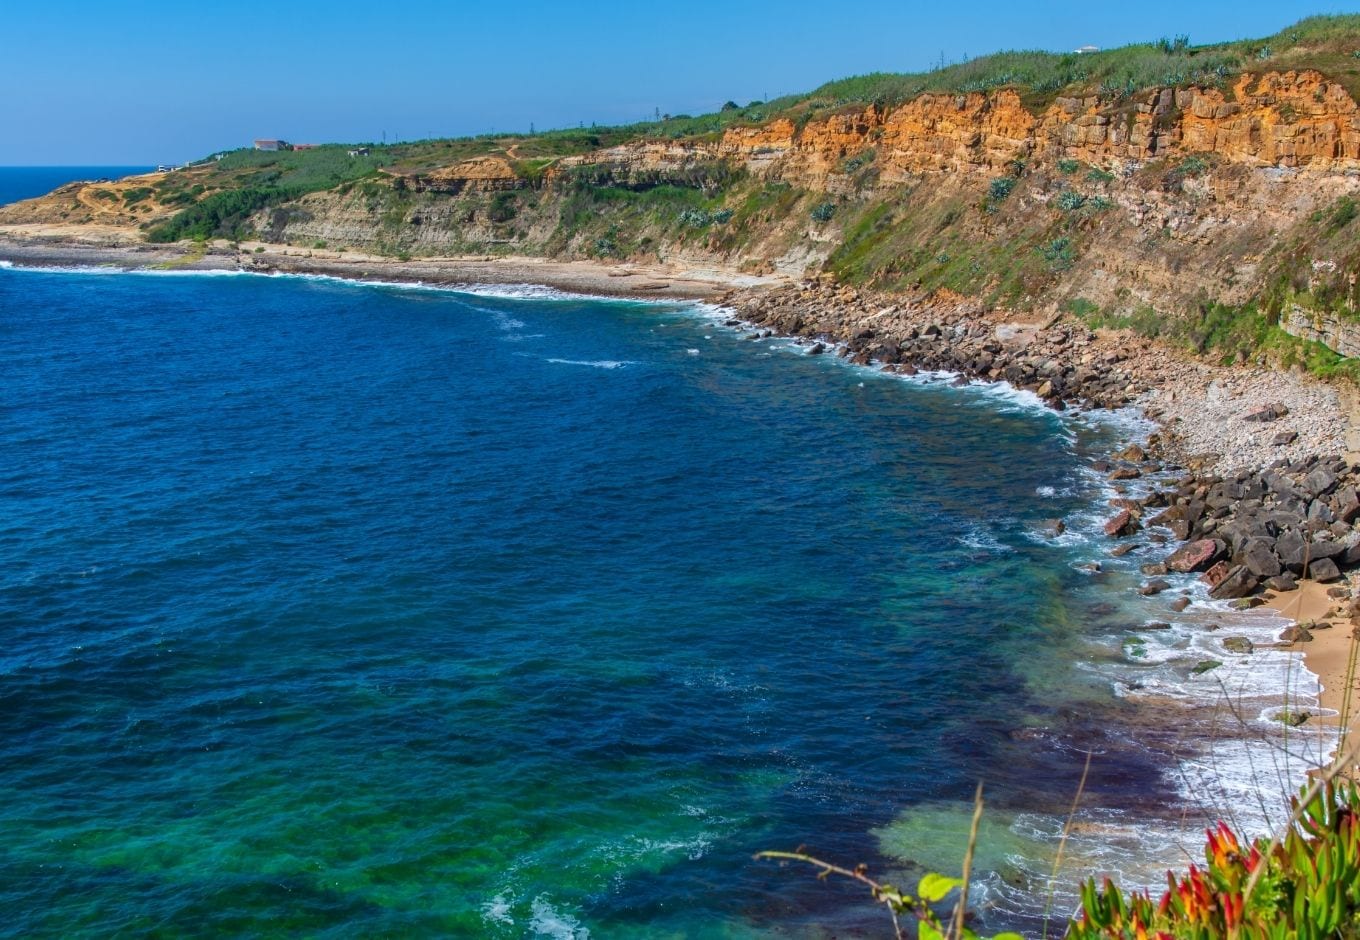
(1319, 482)
(1296, 634)
(1238, 582)
(1346, 504)
(1258, 557)
(1324, 569)
(1290, 548)
(1282, 583)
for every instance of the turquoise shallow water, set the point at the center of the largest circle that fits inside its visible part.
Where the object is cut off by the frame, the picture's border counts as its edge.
(360, 610)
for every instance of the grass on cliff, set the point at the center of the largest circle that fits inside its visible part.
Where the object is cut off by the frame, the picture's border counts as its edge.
(1327, 43)
(245, 181)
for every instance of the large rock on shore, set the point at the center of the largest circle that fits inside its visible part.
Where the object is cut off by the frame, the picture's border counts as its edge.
(1260, 560)
(1237, 582)
(1121, 524)
(1196, 556)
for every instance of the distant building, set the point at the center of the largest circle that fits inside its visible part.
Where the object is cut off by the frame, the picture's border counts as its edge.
(359, 152)
(1086, 50)
(304, 146)
(272, 145)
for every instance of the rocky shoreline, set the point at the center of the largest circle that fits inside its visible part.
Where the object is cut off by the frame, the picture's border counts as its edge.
(1251, 482)
(1269, 510)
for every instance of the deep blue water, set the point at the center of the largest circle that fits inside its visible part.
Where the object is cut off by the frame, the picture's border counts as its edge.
(362, 610)
(25, 182)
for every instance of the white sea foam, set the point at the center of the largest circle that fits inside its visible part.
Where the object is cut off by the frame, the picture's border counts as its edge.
(498, 910)
(595, 363)
(980, 538)
(506, 291)
(547, 921)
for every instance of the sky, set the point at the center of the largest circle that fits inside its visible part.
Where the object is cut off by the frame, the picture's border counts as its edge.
(121, 83)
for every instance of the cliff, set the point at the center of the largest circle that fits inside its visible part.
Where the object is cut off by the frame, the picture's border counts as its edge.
(1157, 208)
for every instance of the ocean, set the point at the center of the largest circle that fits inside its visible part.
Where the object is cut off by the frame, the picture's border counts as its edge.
(377, 610)
(25, 182)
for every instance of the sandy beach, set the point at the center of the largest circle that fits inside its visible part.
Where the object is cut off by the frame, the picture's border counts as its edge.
(54, 246)
(1331, 654)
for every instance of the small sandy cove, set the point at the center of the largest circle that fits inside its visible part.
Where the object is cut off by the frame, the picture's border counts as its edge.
(1331, 654)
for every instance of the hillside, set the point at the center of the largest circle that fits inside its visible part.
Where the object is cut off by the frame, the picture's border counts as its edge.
(1204, 194)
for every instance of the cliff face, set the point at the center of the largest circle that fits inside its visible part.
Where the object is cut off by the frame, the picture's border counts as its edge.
(1169, 200)
(1291, 119)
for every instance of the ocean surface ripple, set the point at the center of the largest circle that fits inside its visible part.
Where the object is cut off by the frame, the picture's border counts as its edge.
(381, 611)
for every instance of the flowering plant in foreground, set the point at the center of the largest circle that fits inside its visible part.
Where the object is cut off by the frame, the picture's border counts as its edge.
(1302, 885)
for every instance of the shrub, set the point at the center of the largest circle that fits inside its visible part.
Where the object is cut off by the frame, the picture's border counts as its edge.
(1068, 167)
(1193, 165)
(1083, 309)
(1173, 46)
(503, 207)
(1059, 253)
(607, 245)
(695, 218)
(822, 212)
(1099, 203)
(1345, 211)
(1000, 188)
(1069, 200)
(222, 213)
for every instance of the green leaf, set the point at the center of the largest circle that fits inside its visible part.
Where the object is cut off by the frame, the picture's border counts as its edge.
(934, 887)
(925, 930)
(1008, 936)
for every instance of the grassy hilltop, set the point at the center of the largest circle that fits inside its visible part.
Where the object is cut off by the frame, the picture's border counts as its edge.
(1213, 206)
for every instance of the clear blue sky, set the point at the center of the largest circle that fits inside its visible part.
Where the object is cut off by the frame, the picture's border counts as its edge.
(112, 82)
